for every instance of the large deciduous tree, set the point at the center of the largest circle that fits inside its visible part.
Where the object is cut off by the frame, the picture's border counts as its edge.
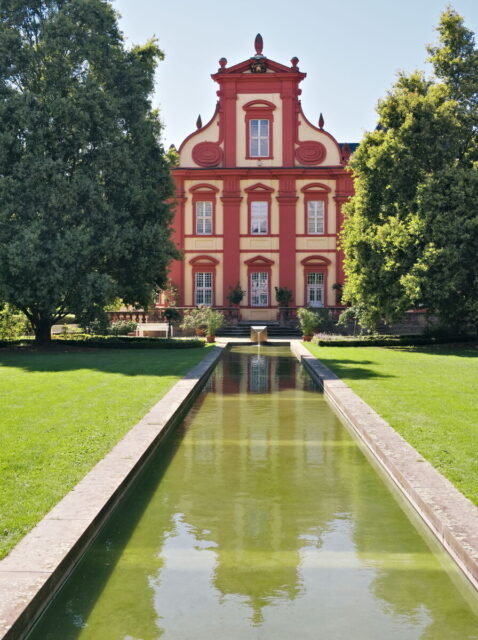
(411, 231)
(84, 181)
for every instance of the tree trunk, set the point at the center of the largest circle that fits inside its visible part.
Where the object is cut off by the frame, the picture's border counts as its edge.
(42, 328)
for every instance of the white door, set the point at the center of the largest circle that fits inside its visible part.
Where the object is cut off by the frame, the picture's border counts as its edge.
(259, 289)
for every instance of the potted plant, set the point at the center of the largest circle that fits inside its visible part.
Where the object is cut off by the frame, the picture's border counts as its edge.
(283, 297)
(308, 321)
(195, 319)
(214, 320)
(236, 294)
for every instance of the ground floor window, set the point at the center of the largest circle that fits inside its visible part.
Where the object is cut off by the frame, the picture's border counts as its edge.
(259, 289)
(203, 288)
(315, 289)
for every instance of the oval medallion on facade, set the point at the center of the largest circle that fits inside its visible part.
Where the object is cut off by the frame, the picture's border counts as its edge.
(310, 152)
(207, 154)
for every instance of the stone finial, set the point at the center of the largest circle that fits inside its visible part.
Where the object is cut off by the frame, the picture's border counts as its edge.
(294, 62)
(222, 64)
(321, 121)
(199, 122)
(259, 44)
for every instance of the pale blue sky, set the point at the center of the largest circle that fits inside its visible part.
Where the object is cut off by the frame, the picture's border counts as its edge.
(351, 51)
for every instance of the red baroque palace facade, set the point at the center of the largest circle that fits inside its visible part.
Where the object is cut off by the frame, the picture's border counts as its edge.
(259, 192)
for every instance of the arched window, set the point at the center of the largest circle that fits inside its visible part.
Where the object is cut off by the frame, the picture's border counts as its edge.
(315, 280)
(204, 279)
(204, 209)
(259, 281)
(259, 209)
(259, 124)
(316, 196)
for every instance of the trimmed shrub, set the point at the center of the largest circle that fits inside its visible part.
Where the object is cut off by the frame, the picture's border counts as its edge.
(391, 341)
(112, 342)
(126, 342)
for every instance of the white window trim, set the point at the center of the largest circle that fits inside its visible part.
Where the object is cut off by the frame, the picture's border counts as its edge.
(203, 288)
(203, 216)
(259, 217)
(262, 289)
(316, 217)
(260, 137)
(320, 285)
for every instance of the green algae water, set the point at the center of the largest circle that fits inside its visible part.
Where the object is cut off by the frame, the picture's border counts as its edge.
(260, 518)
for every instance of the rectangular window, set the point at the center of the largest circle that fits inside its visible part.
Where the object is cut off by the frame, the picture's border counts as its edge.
(259, 138)
(204, 218)
(259, 289)
(259, 214)
(203, 288)
(315, 216)
(315, 289)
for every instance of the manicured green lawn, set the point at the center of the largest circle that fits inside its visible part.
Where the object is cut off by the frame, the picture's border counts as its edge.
(62, 411)
(428, 394)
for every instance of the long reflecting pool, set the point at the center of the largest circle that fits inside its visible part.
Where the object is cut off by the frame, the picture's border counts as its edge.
(260, 518)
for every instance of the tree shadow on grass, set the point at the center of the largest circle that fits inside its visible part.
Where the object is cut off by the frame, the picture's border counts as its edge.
(134, 362)
(458, 350)
(78, 596)
(351, 369)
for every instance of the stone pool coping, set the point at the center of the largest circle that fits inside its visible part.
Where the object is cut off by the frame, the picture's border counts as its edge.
(39, 564)
(451, 517)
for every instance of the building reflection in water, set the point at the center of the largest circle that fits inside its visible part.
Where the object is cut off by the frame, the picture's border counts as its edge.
(267, 523)
(259, 374)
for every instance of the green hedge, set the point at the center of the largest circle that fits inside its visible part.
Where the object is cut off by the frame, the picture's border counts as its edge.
(113, 342)
(390, 341)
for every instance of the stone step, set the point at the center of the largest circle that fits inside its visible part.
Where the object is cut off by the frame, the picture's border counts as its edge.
(244, 331)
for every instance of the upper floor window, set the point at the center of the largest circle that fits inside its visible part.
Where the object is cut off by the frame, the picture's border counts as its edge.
(259, 218)
(259, 138)
(315, 217)
(202, 215)
(204, 218)
(259, 123)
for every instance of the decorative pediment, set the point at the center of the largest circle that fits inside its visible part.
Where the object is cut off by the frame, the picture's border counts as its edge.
(259, 105)
(259, 261)
(316, 186)
(259, 63)
(315, 261)
(204, 187)
(208, 261)
(267, 67)
(259, 188)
